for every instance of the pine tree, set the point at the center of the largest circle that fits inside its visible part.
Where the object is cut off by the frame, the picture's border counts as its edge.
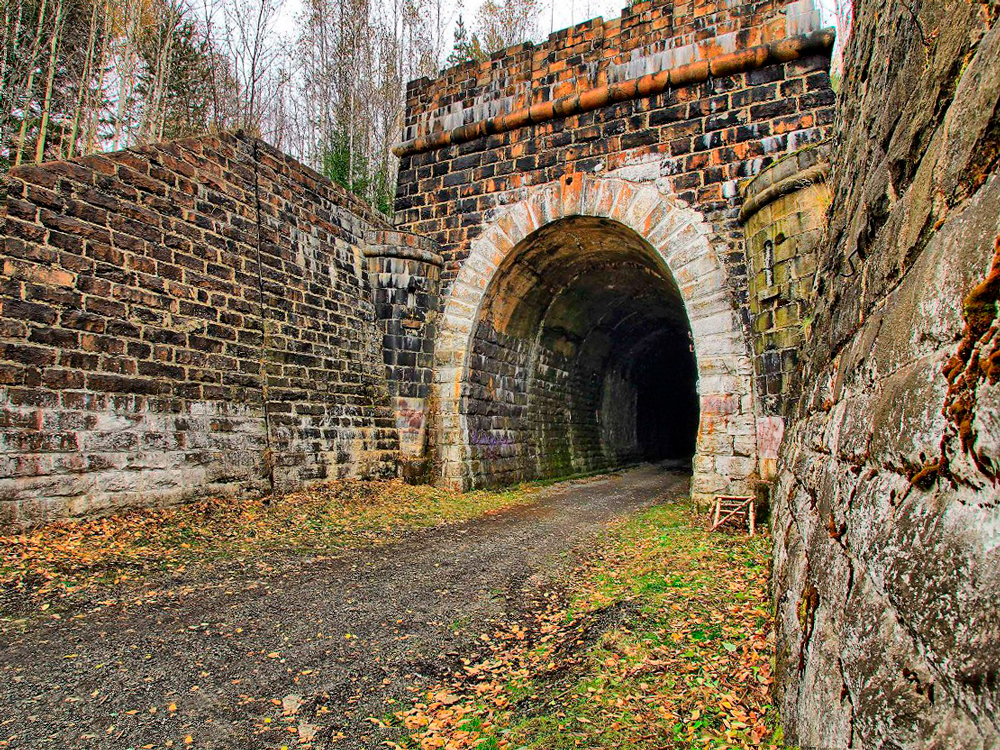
(465, 49)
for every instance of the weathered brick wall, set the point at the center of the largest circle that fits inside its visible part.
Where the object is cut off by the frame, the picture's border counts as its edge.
(751, 85)
(648, 37)
(145, 292)
(546, 408)
(501, 438)
(887, 564)
(700, 139)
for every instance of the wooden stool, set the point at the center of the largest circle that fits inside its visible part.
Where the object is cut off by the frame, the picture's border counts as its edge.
(734, 508)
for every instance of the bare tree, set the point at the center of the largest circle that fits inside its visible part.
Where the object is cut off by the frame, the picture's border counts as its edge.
(244, 30)
(13, 67)
(54, 41)
(83, 99)
(842, 13)
(503, 23)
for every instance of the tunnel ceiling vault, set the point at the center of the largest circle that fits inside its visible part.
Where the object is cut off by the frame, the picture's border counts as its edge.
(588, 285)
(577, 257)
(589, 293)
(581, 265)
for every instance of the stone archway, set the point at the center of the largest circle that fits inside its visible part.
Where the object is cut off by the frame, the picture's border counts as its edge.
(679, 239)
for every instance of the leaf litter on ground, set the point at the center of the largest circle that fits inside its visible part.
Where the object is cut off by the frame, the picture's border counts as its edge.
(48, 565)
(660, 638)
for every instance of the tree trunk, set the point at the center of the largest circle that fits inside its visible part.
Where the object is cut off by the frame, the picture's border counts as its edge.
(127, 77)
(29, 86)
(93, 111)
(47, 105)
(83, 97)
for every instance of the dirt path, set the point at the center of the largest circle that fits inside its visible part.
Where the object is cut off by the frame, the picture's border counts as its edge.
(337, 639)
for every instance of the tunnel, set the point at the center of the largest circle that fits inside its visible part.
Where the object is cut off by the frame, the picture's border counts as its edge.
(581, 358)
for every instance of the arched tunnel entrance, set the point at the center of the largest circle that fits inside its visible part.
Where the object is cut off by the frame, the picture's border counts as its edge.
(581, 358)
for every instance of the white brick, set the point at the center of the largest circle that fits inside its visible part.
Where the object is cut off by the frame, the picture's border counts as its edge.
(707, 325)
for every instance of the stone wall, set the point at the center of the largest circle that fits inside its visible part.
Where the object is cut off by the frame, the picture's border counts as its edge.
(145, 292)
(887, 514)
(784, 210)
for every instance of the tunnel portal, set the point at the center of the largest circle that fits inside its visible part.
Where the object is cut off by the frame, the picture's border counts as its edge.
(581, 358)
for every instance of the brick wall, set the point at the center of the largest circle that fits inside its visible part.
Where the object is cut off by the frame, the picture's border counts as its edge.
(545, 408)
(700, 139)
(179, 319)
(465, 165)
(649, 36)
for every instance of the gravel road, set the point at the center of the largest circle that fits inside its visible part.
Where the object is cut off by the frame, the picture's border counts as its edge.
(233, 655)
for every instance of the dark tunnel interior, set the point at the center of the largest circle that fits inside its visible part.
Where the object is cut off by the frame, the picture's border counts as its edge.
(582, 358)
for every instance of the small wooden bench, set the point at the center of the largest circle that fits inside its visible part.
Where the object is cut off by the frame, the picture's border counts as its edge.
(734, 508)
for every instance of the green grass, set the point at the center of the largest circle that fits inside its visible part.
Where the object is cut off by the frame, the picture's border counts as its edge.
(688, 664)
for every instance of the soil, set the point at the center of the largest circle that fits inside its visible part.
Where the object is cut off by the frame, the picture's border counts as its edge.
(302, 651)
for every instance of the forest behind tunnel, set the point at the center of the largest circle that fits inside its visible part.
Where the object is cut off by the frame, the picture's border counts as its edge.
(582, 358)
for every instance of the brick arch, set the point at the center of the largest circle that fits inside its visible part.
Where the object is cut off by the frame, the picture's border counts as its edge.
(725, 458)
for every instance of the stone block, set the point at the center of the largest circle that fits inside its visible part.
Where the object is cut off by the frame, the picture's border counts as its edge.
(735, 467)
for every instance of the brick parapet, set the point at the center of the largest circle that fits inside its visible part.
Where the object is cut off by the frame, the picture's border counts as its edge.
(691, 145)
(753, 58)
(649, 37)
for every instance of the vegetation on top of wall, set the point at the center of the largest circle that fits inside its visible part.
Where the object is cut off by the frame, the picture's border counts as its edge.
(346, 165)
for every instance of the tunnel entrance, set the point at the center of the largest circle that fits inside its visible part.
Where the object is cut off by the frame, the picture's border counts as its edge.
(581, 358)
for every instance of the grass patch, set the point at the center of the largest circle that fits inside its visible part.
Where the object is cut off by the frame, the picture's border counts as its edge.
(661, 639)
(44, 565)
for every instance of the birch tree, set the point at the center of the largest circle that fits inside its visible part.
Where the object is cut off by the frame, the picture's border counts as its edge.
(54, 42)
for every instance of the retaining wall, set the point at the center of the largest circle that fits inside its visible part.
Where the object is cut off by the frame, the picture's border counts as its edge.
(180, 319)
